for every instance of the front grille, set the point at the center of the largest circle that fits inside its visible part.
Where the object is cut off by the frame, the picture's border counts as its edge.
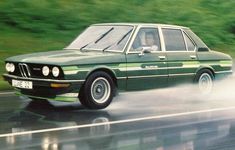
(24, 70)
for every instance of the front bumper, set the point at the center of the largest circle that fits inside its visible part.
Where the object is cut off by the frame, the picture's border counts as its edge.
(43, 89)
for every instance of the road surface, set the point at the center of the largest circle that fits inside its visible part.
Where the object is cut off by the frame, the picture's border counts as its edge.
(164, 119)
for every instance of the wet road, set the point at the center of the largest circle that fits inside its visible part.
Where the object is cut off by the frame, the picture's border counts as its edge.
(166, 119)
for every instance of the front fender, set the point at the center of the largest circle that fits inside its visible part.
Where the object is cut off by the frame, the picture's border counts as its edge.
(101, 67)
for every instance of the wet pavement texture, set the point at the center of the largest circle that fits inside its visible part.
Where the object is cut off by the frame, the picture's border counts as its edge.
(116, 128)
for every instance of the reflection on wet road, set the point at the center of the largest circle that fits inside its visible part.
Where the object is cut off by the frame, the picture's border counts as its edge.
(209, 129)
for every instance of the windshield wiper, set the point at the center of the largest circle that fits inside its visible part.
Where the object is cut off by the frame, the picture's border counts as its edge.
(124, 36)
(96, 41)
(103, 35)
(121, 39)
(84, 46)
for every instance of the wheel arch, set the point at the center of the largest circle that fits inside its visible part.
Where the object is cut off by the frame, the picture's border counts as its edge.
(106, 70)
(201, 68)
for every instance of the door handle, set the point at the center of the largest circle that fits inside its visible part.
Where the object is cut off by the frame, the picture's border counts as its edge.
(162, 57)
(193, 56)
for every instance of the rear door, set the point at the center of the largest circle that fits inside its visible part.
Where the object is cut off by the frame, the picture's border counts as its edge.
(181, 55)
(147, 70)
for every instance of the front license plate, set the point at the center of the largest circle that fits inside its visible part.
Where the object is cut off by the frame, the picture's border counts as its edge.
(22, 84)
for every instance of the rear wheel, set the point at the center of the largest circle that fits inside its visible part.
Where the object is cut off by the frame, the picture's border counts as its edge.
(98, 91)
(205, 80)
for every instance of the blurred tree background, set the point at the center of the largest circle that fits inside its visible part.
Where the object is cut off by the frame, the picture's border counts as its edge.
(40, 25)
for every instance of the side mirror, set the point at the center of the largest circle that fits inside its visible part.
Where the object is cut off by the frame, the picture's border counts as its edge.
(202, 49)
(145, 50)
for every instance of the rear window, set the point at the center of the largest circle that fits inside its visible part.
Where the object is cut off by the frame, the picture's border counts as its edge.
(189, 43)
(174, 40)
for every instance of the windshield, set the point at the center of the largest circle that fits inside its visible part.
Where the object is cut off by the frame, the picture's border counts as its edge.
(112, 38)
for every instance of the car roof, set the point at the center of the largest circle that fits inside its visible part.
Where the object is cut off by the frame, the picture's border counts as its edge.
(142, 24)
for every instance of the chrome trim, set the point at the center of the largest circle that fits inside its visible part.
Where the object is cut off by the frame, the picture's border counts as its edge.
(191, 39)
(152, 52)
(21, 72)
(157, 68)
(151, 76)
(185, 43)
(227, 71)
(162, 42)
(135, 34)
(74, 95)
(46, 80)
(121, 78)
(72, 72)
(181, 51)
(162, 57)
(182, 74)
(163, 46)
(28, 70)
(226, 65)
(193, 56)
(129, 39)
(148, 76)
(182, 32)
(24, 70)
(132, 40)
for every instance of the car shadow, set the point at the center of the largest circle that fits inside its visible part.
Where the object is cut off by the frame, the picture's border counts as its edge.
(47, 106)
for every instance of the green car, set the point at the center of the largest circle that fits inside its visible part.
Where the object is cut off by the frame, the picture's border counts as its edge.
(109, 57)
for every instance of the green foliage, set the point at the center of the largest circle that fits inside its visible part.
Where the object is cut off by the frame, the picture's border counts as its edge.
(213, 20)
(40, 25)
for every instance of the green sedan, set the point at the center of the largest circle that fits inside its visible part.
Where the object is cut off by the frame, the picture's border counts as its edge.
(106, 58)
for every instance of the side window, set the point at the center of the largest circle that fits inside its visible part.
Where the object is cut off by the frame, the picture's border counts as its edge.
(189, 43)
(147, 37)
(174, 40)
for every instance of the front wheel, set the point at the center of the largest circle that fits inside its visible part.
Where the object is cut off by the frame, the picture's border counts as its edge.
(205, 81)
(98, 91)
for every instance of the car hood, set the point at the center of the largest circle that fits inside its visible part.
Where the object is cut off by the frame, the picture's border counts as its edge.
(66, 57)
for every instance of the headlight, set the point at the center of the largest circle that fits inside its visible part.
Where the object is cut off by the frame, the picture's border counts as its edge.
(10, 67)
(55, 71)
(45, 71)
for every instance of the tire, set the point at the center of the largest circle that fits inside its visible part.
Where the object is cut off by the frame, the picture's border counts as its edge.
(205, 81)
(98, 91)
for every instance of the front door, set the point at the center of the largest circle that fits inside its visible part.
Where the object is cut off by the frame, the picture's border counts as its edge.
(146, 63)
